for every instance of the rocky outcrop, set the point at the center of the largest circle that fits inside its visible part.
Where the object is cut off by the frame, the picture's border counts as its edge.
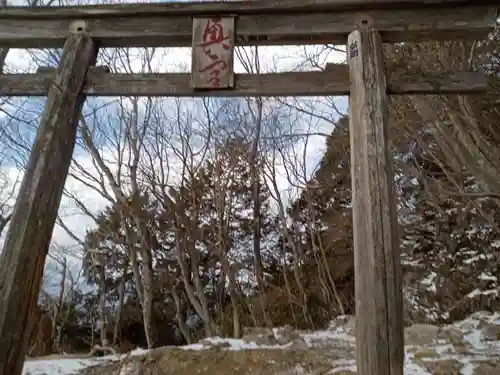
(283, 336)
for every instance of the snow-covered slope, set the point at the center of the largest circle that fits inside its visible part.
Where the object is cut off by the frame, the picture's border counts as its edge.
(469, 347)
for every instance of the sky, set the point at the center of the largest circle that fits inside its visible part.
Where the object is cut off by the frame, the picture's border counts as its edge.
(171, 60)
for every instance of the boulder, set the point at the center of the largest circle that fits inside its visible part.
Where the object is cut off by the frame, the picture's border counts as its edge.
(486, 368)
(444, 367)
(350, 325)
(491, 332)
(421, 334)
(298, 344)
(220, 344)
(286, 334)
(421, 352)
(260, 336)
(345, 322)
(452, 334)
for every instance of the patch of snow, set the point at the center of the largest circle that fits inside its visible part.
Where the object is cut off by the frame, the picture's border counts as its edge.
(474, 293)
(334, 335)
(414, 369)
(343, 365)
(70, 366)
(430, 282)
(495, 244)
(338, 336)
(138, 351)
(468, 368)
(60, 366)
(486, 277)
(234, 344)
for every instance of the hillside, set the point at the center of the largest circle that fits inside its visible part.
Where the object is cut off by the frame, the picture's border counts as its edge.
(468, 347)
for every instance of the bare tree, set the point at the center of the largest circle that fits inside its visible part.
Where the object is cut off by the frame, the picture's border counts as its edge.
(182, 146)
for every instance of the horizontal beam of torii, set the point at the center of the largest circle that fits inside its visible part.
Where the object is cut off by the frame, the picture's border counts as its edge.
(333, 81)
(241, 7)
(284, 22)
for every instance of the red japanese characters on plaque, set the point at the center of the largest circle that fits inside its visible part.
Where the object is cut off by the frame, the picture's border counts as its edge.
(213, 48)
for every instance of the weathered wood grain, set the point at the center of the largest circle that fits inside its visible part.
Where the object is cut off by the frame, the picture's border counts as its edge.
(438, 83)
(212, 53)
(333, 81)
(378, 275)
(263, 29)
(100, 69)
(28, 238)
(225, 8)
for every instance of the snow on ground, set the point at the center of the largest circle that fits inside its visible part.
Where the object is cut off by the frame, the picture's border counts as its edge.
(68, 365)
(470, 329)
(59, 366)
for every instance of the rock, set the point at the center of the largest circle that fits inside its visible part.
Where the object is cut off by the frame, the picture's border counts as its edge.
(421, 334)
(486, 368)
(491, 332)
(423, 352)
(286, 334)
(260, 336)
(346, 322)
(132, 368)
(221, 345)
(340, 320)
(477, 320)
(481, 315)
(156, 354)
(444, 367)
(298, 344)
(462, 349)
(215, 344)
(350, 325)
(453, 335)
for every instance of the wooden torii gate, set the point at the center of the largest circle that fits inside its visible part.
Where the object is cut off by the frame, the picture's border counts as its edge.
(361, 24)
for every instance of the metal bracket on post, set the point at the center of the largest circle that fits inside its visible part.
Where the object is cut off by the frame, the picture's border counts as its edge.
(78, 26)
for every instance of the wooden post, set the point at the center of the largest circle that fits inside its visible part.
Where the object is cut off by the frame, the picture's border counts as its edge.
(378, 275)
(30, 232)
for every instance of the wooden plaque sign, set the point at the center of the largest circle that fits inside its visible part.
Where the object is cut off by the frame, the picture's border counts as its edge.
(212, 53)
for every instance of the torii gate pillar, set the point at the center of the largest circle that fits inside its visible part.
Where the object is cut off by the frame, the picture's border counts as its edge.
(378, 275)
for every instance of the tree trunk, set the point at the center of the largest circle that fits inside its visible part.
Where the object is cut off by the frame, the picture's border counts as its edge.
(118, 317)
(59, 305)
(233, 294)
(144, 287)
(147, 304)
(254, 157)
(200, 305)
(102, 306)
(179, 316)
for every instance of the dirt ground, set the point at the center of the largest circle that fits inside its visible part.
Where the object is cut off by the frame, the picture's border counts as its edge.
(174, 361)
(468, 347)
